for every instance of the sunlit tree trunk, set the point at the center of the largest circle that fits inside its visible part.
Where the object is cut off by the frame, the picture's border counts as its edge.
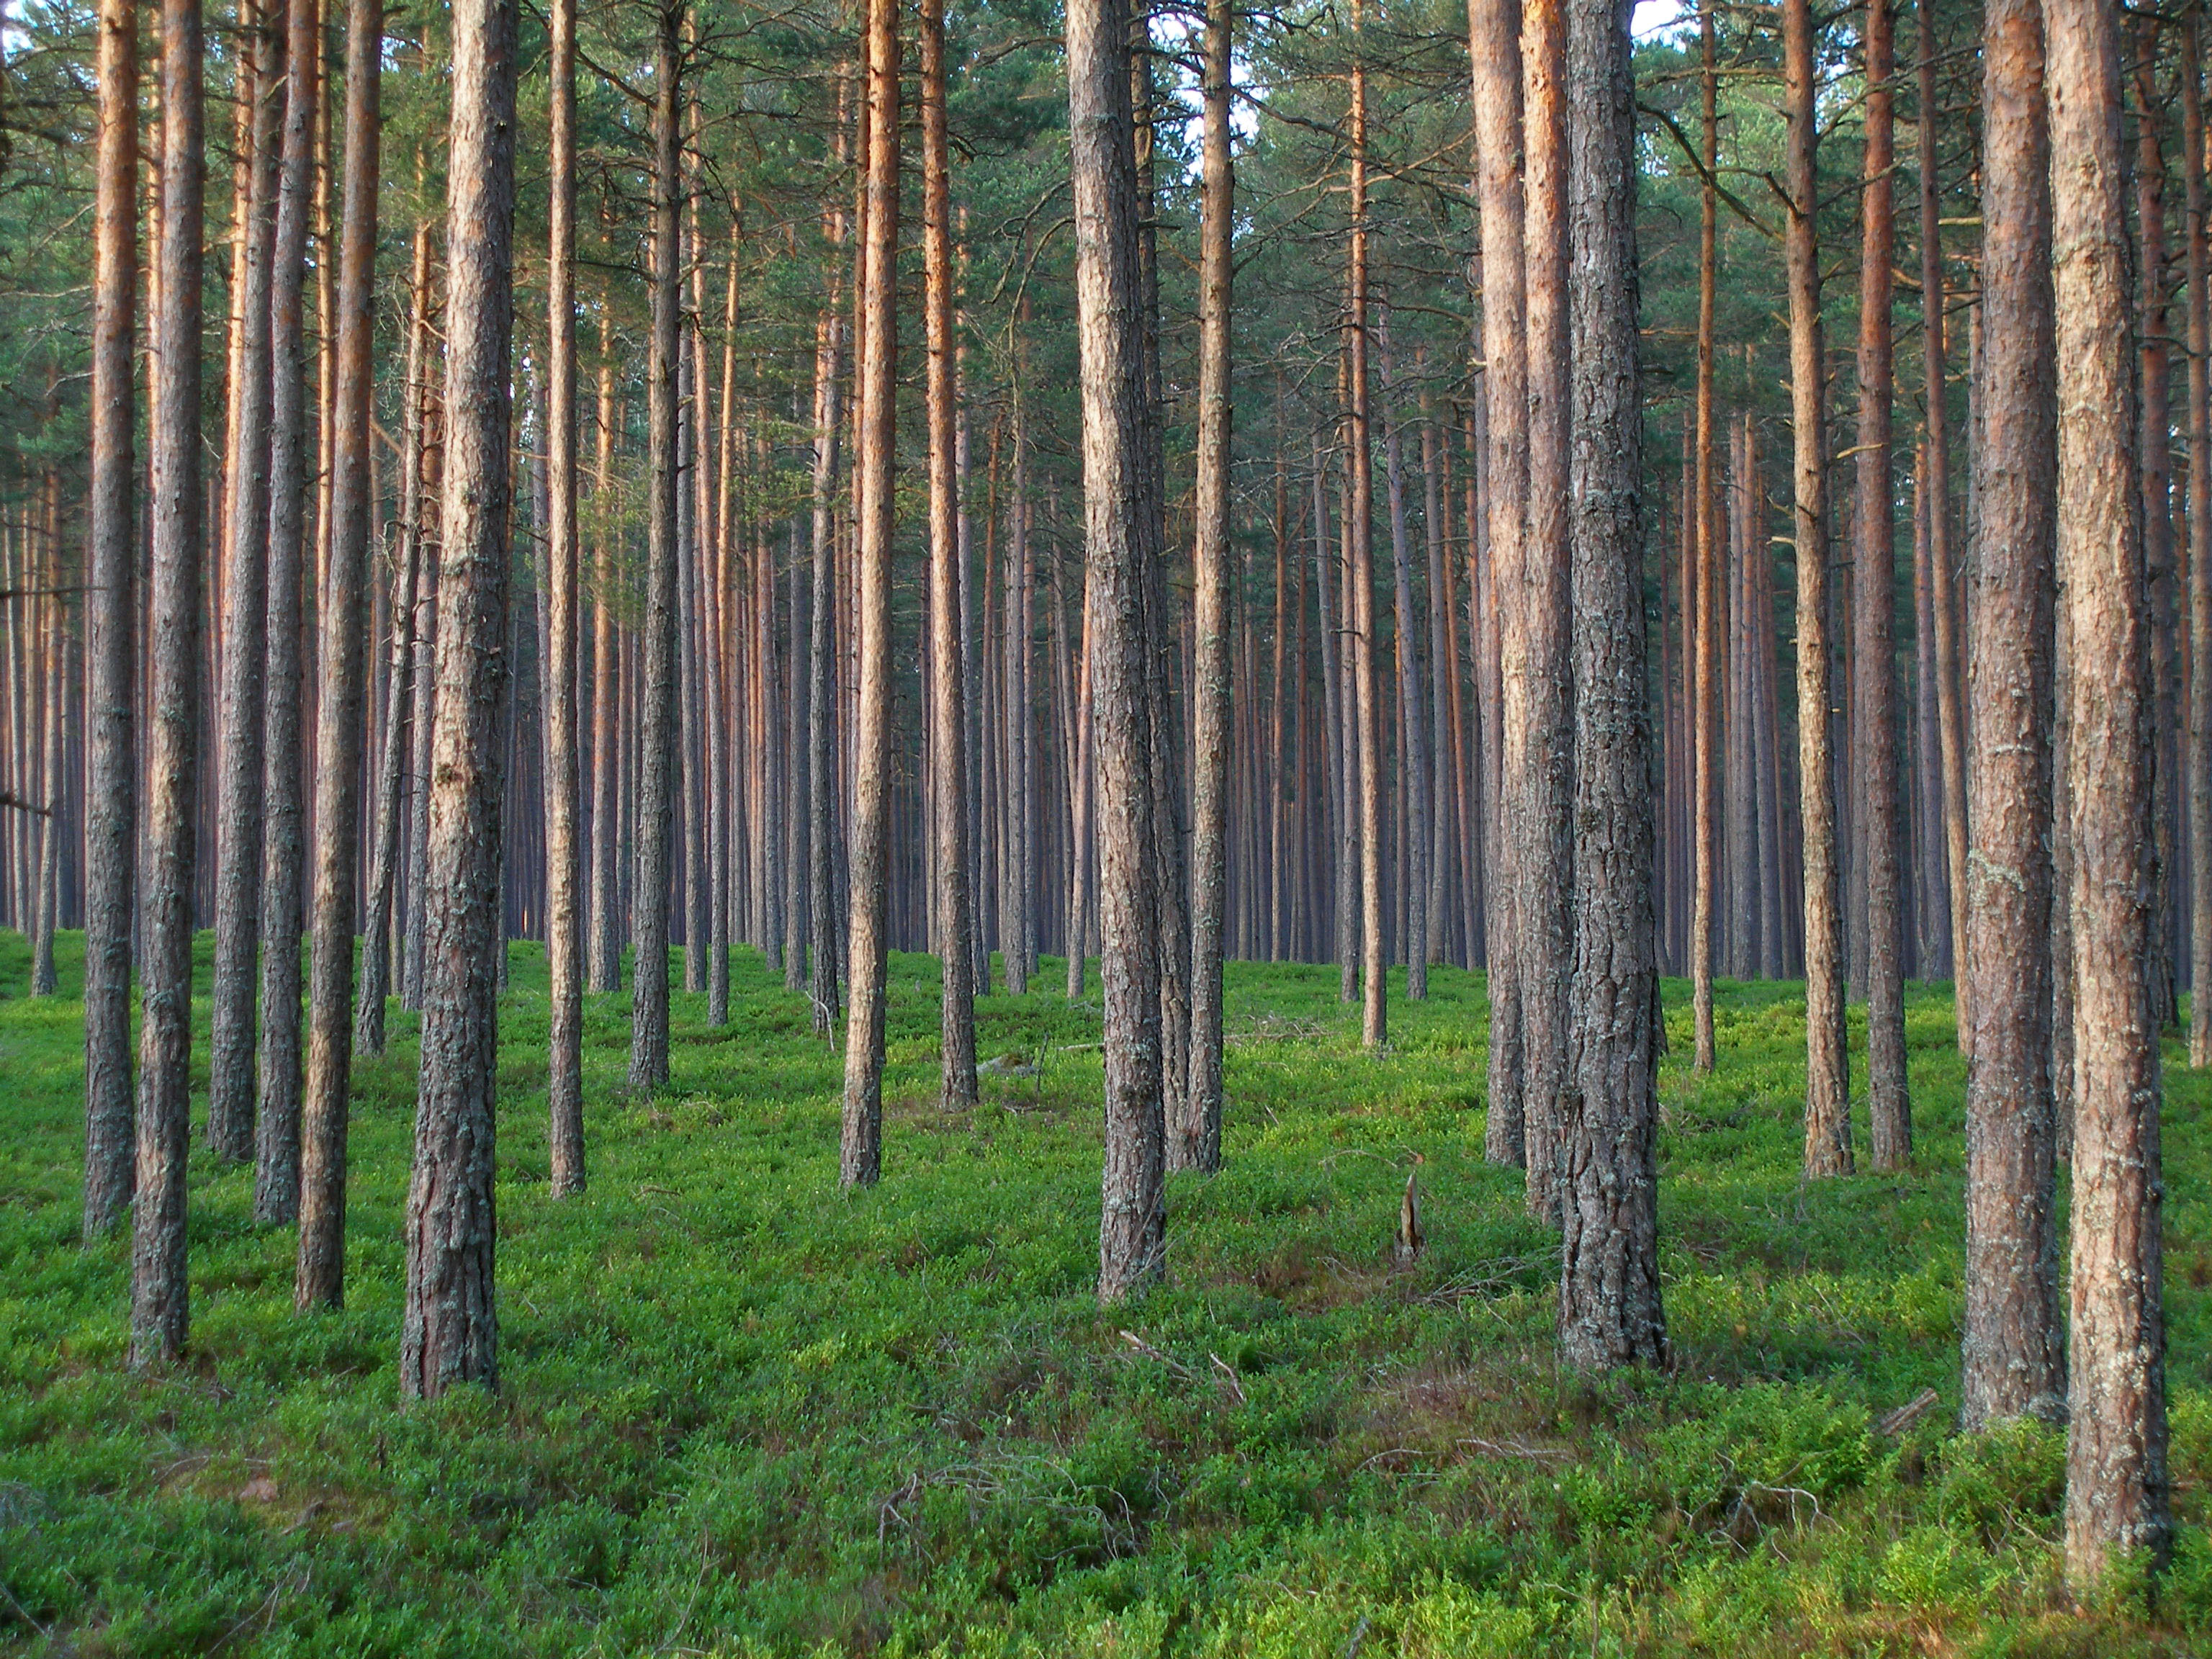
(318, 1272)
(451, 1329)
(2117, 1491)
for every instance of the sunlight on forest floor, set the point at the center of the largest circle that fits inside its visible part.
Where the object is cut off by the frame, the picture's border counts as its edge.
(744, 1413)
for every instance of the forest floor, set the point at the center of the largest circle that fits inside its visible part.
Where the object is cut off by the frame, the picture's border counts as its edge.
(744, 1413)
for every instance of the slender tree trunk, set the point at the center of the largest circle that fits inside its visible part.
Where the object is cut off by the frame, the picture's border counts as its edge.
(159, 1290)
(1540, 781)
(949, 710)
(1119, 527)
(658, 776)
(1198, 1145)
(1827, 1098)
(239, 780)
(861, 1162)
(1609, 1297)
(564, 1084)
(1494, 30)
(1414, 734)
(2199, 770)
(822, 694)
(110, 609)
(1705, 670)
(1874, 593)
(604, 970)
(406, 697)
(2154, 459)
(2013, 1366)
(276, 1140)
(1950, 712)
(1367, 722)
(451, 1332)
(318, 1275)
(2117, 1491)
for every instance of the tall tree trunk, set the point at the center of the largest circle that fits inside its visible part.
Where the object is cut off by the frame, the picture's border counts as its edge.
(239, 780)
(406, 693)
(658, 776)
(1705, 671)
(2013, 1363)
(1414, 734)
(451, 1332)
(860, 1161)
(1493, 33)
(822, 694)
(1950, 712)
(1874, 594)
(1118, 531)
(317, 1278)
(1609, 1297)
(277, 1139)
(2117, 1491)
(2199, 769)
(1541, 780)
(1827, 1072)
(603, 969)
(949, 712)
(159, 1309)
(564, 1084)
(2154, 459)
(1366, 715)
(110, 609)
(1198, 1145)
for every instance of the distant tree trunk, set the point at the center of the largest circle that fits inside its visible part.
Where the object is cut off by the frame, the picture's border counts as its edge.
(239, 780)
(1118, 529)
(1493, 32)
(1950, 712)
(1609, 1297)
(1705, 671)
(658, 776)
(822, 693)
(1827, 1071)
(276, 1140)
(860, 1161)
(1414, 731)
(1198, 1147)
(564, 1084)
(2013, 1363)
(406, 696)
(2199, 769)
(1874, 594)
(451, 1332)
(1366, 714)
(1540, 781)
(949, 710)
(159, 1309)
(604, 970)
(111, 613)
(2118, 1490)
(318, 1275)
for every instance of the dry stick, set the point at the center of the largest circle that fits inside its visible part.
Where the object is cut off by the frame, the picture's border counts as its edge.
(159, 1315)
(1874, 594)
(861, 1158)
(1950, 692)
(657, 731)
(2119, 1498)
(564, 1086)
(2013, 1363)
(277, 1141)
(1827, 1101)
(1197, 1146)
(451, 1332)
(318, 1276)
(111, 572)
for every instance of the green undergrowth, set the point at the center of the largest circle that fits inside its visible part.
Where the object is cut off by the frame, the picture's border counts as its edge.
(742, 1413)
